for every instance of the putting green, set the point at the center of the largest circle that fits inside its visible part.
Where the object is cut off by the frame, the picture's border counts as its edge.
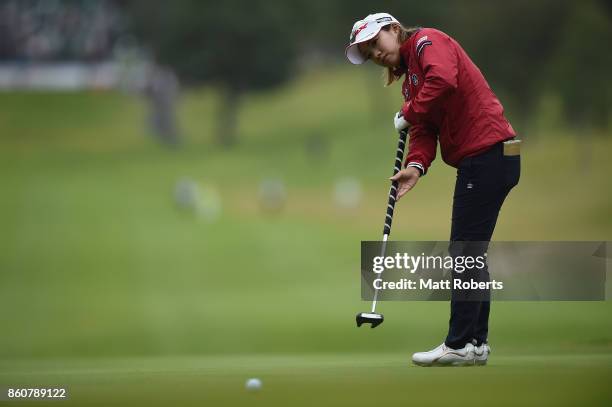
(323, 380)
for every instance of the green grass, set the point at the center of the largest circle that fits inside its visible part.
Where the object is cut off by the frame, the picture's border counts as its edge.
(106, 287)
(346, 379)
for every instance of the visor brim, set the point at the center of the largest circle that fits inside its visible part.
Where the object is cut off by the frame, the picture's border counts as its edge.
(352, 52)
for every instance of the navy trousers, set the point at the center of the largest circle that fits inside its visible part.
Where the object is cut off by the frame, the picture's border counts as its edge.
(483, 182)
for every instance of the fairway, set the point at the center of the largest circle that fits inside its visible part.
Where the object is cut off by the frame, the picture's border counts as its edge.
(324, 380)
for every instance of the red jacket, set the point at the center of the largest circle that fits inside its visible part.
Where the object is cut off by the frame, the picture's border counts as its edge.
(447, 98)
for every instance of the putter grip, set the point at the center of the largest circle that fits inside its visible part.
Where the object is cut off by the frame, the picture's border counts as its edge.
(397, 166)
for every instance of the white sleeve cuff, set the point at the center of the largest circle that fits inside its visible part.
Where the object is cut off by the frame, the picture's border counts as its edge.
(417, 165)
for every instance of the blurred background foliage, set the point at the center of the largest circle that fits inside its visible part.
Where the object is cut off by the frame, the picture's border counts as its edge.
(528, 50)
(544, 58)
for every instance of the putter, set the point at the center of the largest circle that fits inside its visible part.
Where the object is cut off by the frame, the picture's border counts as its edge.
(372, 317)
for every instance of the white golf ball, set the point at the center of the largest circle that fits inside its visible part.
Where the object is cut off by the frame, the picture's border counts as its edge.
(253, 384)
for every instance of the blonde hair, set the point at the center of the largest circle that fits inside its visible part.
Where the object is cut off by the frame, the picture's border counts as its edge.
(389, 74)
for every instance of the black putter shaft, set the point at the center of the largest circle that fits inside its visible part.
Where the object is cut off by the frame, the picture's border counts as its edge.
(372, 317)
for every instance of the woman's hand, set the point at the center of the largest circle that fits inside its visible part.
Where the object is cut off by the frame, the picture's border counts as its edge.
(407, 179)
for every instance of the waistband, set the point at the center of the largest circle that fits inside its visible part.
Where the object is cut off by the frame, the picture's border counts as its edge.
(495, 149)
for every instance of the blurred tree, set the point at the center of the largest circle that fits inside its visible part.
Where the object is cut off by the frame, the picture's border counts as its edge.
(234, 47)
(579, 70)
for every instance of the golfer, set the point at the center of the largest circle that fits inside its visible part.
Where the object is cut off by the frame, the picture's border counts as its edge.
(447, 101)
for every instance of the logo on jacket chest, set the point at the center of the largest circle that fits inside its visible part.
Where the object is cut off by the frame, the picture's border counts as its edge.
(415, 79)
(411, 80)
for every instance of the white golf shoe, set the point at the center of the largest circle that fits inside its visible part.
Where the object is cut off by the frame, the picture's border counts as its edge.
(481, 354)
(445, 356)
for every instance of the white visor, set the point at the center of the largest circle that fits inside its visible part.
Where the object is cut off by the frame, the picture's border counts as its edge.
(364, 30)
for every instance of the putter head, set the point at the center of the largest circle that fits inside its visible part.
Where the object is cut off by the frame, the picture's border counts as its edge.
(369, 318)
